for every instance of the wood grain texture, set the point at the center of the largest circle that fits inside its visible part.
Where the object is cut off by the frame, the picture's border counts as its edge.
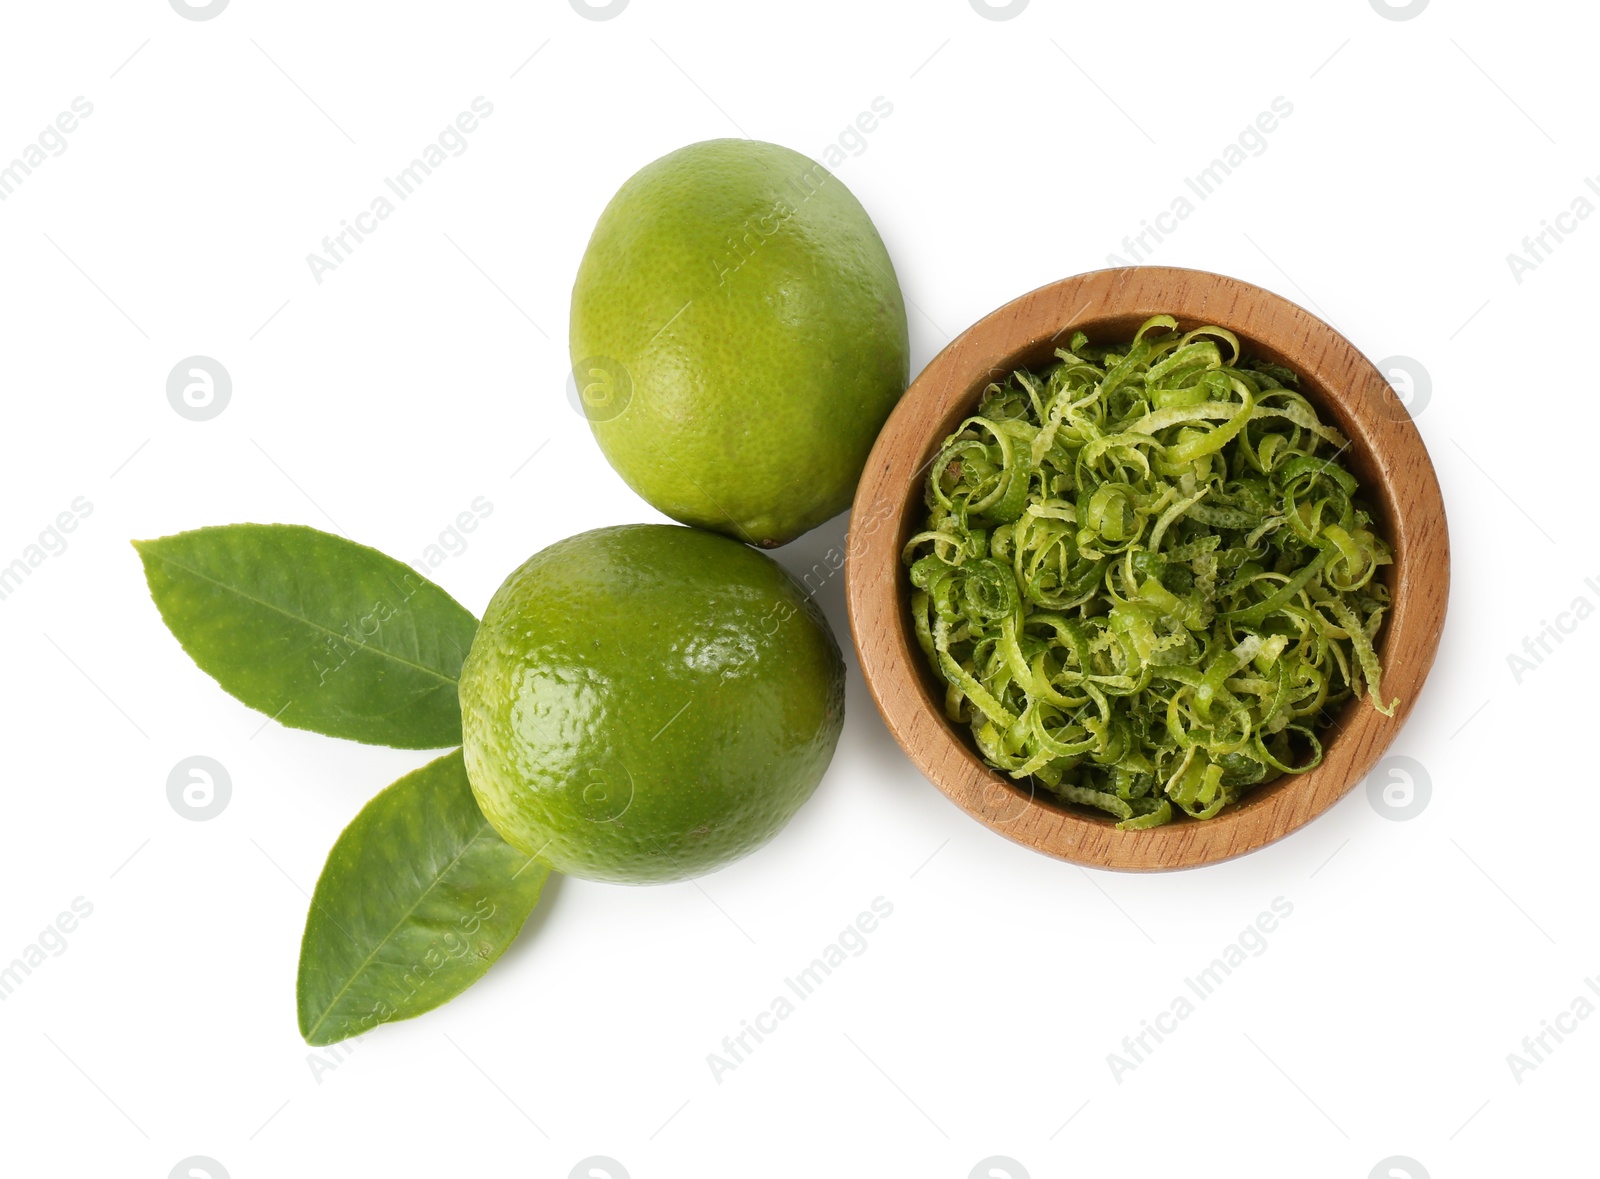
(1386, 453)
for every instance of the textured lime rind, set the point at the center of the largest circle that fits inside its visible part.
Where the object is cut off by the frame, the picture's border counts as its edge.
(739, 295)
(647, 703)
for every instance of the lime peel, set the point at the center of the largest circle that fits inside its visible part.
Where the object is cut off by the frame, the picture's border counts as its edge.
(1145, 577)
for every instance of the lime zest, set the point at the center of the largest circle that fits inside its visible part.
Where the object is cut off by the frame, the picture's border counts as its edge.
(1145, 578)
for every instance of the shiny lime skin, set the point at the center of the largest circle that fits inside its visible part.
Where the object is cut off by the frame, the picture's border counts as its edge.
(647, 703)
(743, 295)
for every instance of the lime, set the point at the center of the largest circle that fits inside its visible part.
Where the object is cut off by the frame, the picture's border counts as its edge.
(648, 703)
(738, 337)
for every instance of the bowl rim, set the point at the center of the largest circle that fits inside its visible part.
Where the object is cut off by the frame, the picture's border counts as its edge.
(1386, 453)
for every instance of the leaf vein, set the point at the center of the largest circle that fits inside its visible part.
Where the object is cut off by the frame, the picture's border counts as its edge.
(315, 625)
(384, 941)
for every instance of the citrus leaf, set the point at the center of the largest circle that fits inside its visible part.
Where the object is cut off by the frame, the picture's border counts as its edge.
(418, 899)
(316, 631)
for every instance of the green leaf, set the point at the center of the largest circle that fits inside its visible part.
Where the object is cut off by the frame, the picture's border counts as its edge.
(417, 900)
(316, 631)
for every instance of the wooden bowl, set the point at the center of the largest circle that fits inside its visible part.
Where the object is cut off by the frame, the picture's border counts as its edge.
(1386, 454)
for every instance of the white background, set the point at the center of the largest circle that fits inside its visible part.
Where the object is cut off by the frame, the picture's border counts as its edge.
(426, 369)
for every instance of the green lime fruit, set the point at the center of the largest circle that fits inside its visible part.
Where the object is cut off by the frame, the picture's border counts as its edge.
(738, 338)
(647, 703)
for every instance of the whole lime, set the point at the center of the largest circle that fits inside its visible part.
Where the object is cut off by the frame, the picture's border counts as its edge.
(738, 337)
(647, 703)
